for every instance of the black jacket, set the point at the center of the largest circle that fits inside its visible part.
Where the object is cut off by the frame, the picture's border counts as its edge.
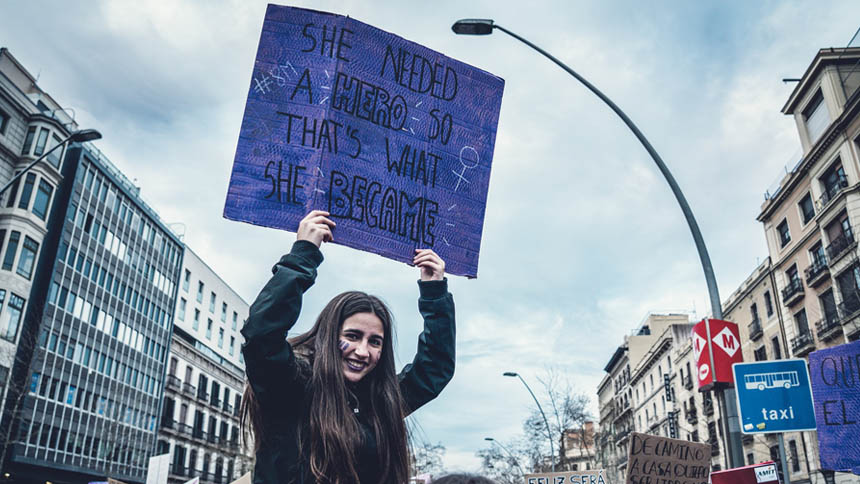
(279, 380)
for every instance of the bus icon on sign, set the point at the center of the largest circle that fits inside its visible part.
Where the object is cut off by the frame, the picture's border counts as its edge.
(761, 381)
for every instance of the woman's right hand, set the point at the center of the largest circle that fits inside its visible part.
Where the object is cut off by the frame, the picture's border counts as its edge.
(316, 228)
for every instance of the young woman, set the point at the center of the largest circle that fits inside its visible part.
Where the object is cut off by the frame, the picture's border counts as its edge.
(326, 406)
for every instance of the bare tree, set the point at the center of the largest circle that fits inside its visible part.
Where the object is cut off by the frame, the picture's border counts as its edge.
(567, 414)
(20, 357)
(427, 458)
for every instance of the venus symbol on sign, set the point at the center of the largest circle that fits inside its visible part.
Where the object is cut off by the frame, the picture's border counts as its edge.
(467, 163)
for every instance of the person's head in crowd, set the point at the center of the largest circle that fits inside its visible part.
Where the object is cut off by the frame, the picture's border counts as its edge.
(463, 479)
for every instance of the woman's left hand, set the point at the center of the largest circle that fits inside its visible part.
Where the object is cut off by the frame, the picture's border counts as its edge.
(432, 266)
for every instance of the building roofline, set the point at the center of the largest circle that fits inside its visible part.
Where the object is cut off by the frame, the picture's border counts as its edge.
(619, 352)
(5, 51)
(822, 58)
(217, 275)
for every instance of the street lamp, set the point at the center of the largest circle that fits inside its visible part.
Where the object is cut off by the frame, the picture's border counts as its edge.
(516, 461)
(79, 136)
(727, 403)
(545, 421)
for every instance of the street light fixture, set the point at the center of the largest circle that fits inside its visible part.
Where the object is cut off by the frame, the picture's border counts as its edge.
(727, 402)
(545, 421)
(516, 461)
(79, 136)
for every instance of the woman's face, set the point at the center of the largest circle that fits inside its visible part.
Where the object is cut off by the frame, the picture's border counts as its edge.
(360, 343)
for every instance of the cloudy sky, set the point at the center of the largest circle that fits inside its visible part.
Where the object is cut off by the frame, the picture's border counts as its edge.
(582, 236)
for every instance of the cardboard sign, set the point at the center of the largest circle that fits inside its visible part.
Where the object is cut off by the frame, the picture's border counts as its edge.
(764, 473)
(245, 479)
(835, 374)
(718, 341)
(653, 459)
(393, 139)
(594, 476)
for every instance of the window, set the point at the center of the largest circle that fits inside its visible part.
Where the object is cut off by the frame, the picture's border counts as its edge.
(212, 302)
(817, 257)
(220, 337)
(768, 304)
(54, 157)
(43, 199)
(816, 116)
(235, 315)
(232, 344)
(181, 309)
(760, 353)
(209, 329)
(11, 249)
(223, 312)
(4, 123)
(802, 323)
(28, 141)
(200, 287)
(27, 192)
(807, 210)
(11, 317)
(792, 456)
(187, 280)
(777, 354)
(833, 181)
(784, 235)
(28, 257)
(41, 142)
(196, 324)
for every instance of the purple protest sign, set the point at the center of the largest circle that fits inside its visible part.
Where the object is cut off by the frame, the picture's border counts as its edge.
(835, 374)
(393, 139)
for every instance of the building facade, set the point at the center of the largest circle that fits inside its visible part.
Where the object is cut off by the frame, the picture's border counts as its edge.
(205, 379)
(648, 388)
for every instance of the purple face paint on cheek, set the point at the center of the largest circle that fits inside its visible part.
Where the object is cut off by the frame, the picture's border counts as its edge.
(343, 345)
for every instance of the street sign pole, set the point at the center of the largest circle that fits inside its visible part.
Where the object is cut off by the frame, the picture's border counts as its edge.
(782, 458)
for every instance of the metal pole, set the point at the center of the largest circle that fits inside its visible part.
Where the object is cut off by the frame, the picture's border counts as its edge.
(782, 458)
(545, 421)
(732, 423)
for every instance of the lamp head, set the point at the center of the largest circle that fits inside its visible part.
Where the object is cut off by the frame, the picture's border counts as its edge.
(510, 373)
(83, 135)
(473, 26)
(489, 439)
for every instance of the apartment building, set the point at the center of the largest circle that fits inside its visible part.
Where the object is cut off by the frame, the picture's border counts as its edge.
(205, 379)
(649, 389)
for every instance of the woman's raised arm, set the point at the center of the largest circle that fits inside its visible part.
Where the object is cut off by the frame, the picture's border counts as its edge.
(269, 359)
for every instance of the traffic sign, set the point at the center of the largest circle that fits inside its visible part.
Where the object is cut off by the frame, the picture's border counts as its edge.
(774, 396)
(715, 343)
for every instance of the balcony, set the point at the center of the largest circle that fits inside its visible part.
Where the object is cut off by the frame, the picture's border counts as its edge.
(755, 329)
(817, 273)
(174, 382)
(747, 439)
(227, 407)
(802, 344)
(189, 389)
(828, 328)
(687, 382)
(849, 309)
(793, 292)
(215, 402)
(830, 192)
(715, 445)
(199, 434)
(201, 395)
(184, 429)
(692, 416)
(708, 407)
(621, 435)
(840, 245)
(181, 471)
(167, 423)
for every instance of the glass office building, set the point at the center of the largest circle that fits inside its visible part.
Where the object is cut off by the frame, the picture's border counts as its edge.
(95, 380)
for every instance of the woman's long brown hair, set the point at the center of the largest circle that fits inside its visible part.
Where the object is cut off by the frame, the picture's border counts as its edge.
(330, 435)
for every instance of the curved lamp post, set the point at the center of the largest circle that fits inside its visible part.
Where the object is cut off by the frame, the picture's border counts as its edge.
(79, 136)
(545, 421)
(485, 27)
(516, 461)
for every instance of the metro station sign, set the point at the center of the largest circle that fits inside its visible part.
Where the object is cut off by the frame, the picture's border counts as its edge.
(716, 347)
